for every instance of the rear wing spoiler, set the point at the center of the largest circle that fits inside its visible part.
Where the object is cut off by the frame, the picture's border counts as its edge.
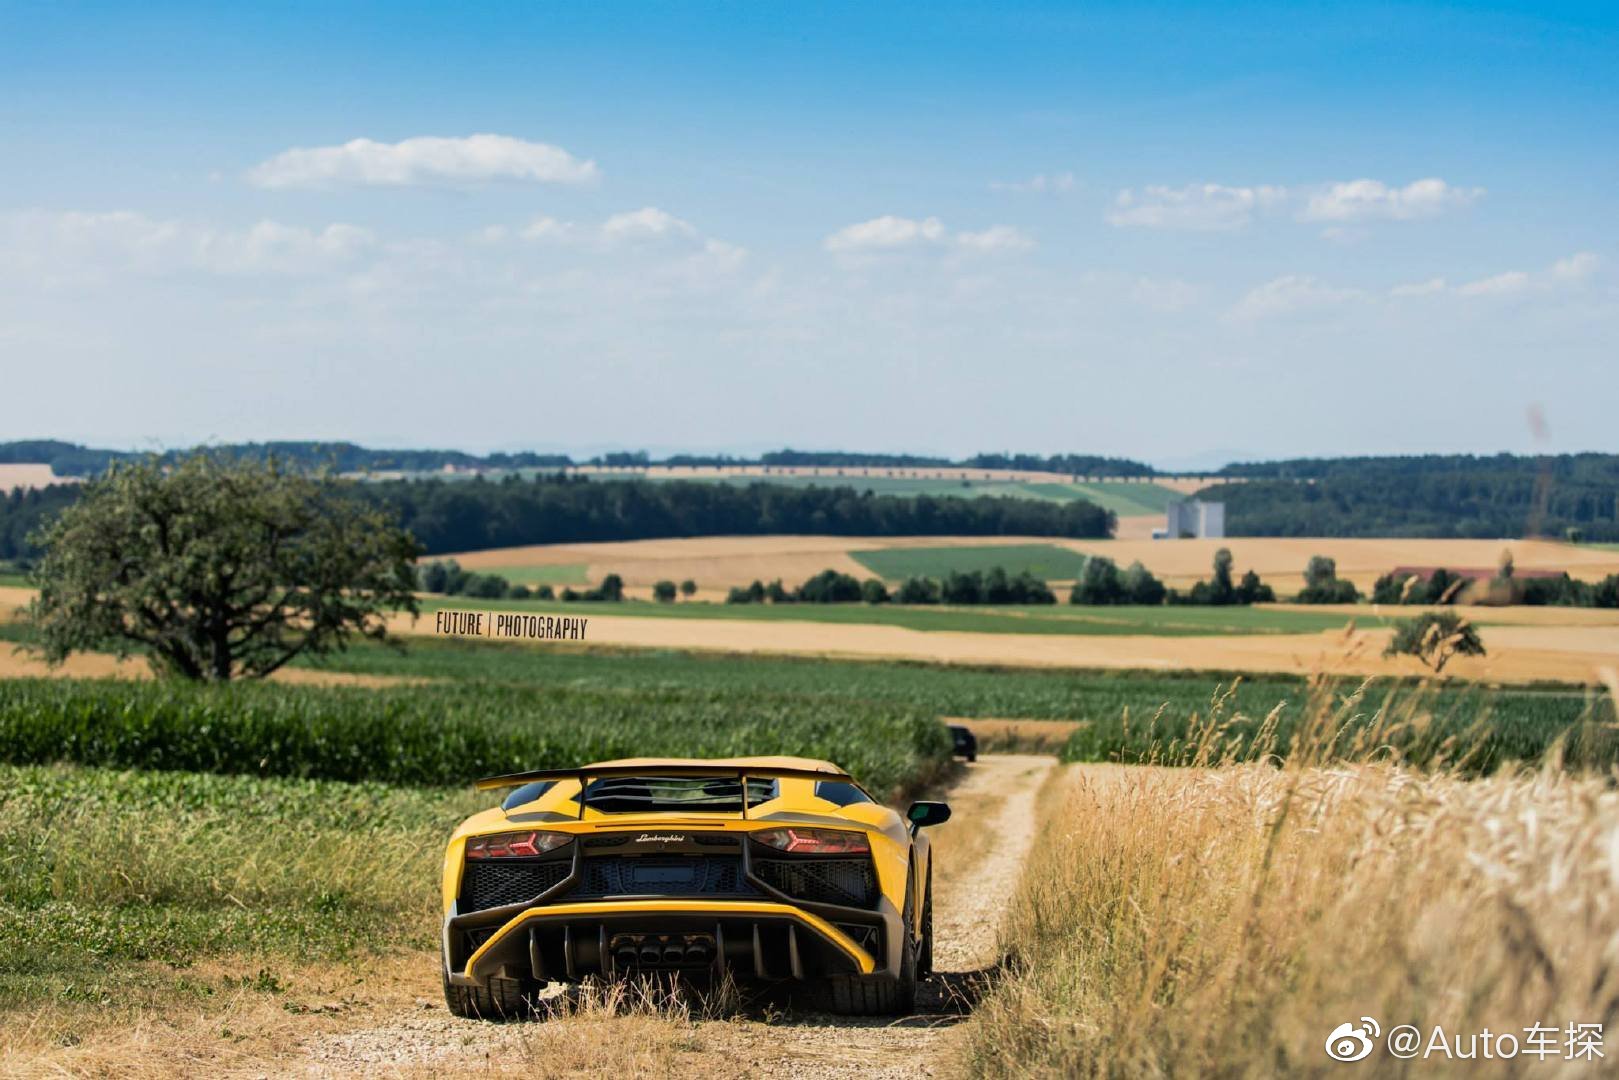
(492, 783)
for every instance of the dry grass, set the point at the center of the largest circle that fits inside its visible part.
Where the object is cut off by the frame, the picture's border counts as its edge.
(1221, 921)
(344, 1020)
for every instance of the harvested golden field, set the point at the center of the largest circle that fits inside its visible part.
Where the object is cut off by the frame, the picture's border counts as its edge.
(18, 664)
(30, 476)
(12, 601)
(1483, 616)
(722, 561)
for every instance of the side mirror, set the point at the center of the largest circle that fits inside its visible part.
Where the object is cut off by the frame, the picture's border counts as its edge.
(923, 814)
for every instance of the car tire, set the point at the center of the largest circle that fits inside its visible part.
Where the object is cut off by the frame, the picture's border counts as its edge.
(500, 998)
(876, 995)
(972, 757)
(924, 957)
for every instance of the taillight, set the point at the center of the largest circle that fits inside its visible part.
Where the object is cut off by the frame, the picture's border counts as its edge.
(514, 845)
(815, 841)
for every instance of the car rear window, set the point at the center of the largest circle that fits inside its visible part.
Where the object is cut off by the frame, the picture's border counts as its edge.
(709, 794)
(527, 793)
(840, 793)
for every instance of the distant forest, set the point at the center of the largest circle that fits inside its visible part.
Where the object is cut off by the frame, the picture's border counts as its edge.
(1568, 496)
(70, 459)
(472, 515)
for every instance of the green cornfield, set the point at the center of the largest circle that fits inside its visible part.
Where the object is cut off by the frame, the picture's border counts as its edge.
(446, 733)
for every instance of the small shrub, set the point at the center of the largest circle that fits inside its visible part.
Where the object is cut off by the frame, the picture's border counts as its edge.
(1435, 637)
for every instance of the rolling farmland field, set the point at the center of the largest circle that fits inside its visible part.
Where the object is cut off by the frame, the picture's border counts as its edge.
(541, 573)
(1045, 561)
(977, 619)
(718, 562)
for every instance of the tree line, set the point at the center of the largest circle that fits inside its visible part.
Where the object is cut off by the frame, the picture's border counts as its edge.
(1101, 582)
(71, 459)
(471, 516)
(1569, 496)
(448, 516)
(993, 586)
(1443, 587)
(448, 578)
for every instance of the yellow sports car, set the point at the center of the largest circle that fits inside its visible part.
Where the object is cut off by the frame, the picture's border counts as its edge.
(769, 868)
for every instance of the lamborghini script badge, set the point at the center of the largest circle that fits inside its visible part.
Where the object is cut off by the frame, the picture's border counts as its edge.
(659, 838)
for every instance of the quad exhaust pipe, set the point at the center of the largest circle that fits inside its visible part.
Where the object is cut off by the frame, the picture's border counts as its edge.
(662, 950)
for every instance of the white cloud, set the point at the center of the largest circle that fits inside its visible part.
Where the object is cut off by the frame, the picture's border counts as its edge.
(1196, 207)
(1563, 274)
(546, 229)
(1420, 288)
(1289, 295)
(1039, 184)
(1216, 207)
(996, 238)
(1576, 267)
(886, 233)
(424, 160)
(78, 243)
(1368, 200)
(1510, 282)
(647, 223)
(896, 234)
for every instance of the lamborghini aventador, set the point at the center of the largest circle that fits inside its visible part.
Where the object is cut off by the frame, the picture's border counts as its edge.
(763, 868)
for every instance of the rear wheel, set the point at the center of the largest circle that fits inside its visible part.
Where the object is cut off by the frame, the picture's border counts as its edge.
(500, 998)
(877, 995)
(924, 957)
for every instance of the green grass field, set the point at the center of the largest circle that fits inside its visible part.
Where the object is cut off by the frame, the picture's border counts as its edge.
(559, 574)
(1127, 499)
(1052, 619)
(936, 689)
(1119, 496)
(116, 883)
(1046, 561)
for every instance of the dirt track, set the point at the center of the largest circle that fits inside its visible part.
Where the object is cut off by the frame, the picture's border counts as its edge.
(979, 855)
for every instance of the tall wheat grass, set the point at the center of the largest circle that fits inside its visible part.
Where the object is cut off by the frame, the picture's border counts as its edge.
(1222, 920)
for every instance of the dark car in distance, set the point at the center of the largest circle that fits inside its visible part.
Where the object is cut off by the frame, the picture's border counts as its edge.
(966, 743)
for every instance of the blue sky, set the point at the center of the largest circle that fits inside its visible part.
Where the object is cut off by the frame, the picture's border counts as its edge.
(1178, 232)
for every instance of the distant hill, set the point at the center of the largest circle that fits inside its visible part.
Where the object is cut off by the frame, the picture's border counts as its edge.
(70, 459)
(1503, 495)
(1455, 495)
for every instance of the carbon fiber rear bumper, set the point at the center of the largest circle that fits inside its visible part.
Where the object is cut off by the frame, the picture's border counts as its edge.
(762, 939)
